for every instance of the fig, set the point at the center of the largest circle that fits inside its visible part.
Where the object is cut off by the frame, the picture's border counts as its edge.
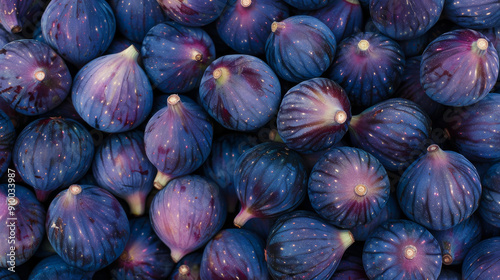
(475, 14)
(54, 267)
(193, 12)
(483, 260)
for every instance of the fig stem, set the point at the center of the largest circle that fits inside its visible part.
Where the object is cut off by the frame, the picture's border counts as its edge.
(363, 45)
(482, 44)
(275, 136)
(361, 190)
(410, 252)
(447, 259)
(16, 29)
(40, 75)
(75, 189)
(242, 217)
(246, 3)
(340, 116)
(173, 99)
(136, 203)
(277, 25)
(184, 270)
(355, 2)
(161, 180)
(217, 73)
(13, 201)
(131, 52)
(177, 255)
(433, 148)
(347, 238)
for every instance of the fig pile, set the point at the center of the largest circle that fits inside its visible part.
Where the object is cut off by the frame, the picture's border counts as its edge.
(249, 139)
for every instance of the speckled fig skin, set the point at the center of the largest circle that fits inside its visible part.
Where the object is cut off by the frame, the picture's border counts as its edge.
(112, 93)
(121, 167)
(402, 249)
(475, 14)
(52, 152)
(187, 213)
(483, 260)
(83, 32)
(300, 48)
(440, 189)
(369, 66)
(25, 215)
(244, 25)
(237, 253)
(144, 254)
(87, 227)
(7, 140)
(489, 208)
(34, 78)
(14, 14)
(395, 131)
(54, 267)
(304, 246)
(314, 115)
(270, 181)
(175, 56)
(459, 68)
(348, 187)
(188, 268)
(232, 82)
(193, 12)
(456, 242)
(178, 139)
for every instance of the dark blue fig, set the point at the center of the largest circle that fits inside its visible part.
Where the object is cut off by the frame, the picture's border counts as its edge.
(244, 25)
(348, 187)
(476, 14)
(404, 20)
(78, 30)
(55, 268)
(219, 166)
(187, 213)
(448, 274)
(301, 245)
(121, 167)
(343, 17)
(308, 4)
(135, 18)
(234, 254)
(270, 181)
(6, 37)
(411, 89)
(120, 44)
(7, 140)
(175, 56)
(33, 78)
(350, 268)
(314, 115)
(188, 268)
(144, 255)
(22, 228)
(483, 260)
(193, 12)
(440, 189)
(391, 211)
(456, 242)
(232, 82)
(87, 227)
(52, 152)
(112, 93)
(394, 131)
(489, 208)
(15, 14)
(402, 249)
(300, 48)
(369, 66)
(459, 68)
(474, 129)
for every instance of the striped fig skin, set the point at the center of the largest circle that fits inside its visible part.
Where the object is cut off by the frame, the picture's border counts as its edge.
(402, 250)
(15, 14)
(232, 82)
(135, 18)
(270, 180)
(22, 213)
(457, 241)
(187, 213)
(87, 227)
(489, 208)
(34, 79)
(369, 66)
(301, 245)
(459, 68)
(7, 140)
(314, 115)
(308, 4)
(234, 254)
(300, 48)
(483, 260)
(440, 189)
(54, 267)
(175, 56)
(394, 131)
(404, 20)
(78, 30)
(143, 255)
(52, 152)
(178, 139)
(348, 187)
(244, 25)
(121, 167)
(470, 126)
(188, 268)
(475, 14)
(193, 12)
(112, 93)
